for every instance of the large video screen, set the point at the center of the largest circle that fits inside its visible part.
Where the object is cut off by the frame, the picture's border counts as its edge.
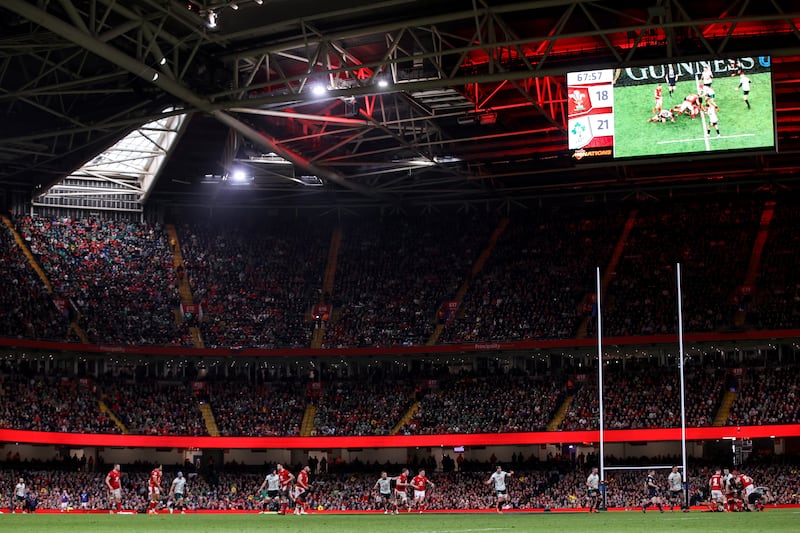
(677, 108)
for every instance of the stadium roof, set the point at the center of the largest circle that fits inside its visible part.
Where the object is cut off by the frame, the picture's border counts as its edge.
(122, 176)
(390, 103)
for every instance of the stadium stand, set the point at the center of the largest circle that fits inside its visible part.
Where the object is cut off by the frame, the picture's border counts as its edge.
(489, 404)
(641, 396)
(774, 302)
(118, 274)
(647, 397)
(269, 409)
(392, 277)
(358, 408)
(535, 280)
(255, 284)
(711, 240)
(26, 308)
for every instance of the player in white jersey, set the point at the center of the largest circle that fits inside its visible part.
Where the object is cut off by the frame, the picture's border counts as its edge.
(19, 496)
(675, 488)
(270, 490)
(707, 77)
(744, 85)
(593, 490)
(711, 113)
(177, 492)
(384, 486)
(728, 483)
(665, 115)
(499, 479)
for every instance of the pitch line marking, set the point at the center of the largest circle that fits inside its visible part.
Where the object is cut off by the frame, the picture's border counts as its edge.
(465, 530)
(703, 138)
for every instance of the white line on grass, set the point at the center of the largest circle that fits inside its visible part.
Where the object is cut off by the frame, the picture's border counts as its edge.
(704, 138)
(466, 530)
(702, 114)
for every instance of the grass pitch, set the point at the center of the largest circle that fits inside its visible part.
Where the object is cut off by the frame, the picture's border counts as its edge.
(740, 128)
(773, 520)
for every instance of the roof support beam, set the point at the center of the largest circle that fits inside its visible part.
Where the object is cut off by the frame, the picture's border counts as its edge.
(174, 88)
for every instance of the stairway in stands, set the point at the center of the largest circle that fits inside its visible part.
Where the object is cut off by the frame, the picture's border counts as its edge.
(560, 414)
(307, 425)
(724, 410)
(755, 257)
(185, 290)
(208, 418)
(477, 267)
(611, 268)
(406, 418)
(23, 246)
(327, 283)
(113, 417)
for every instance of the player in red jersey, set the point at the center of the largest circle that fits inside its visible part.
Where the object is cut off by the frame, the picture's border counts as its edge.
(715, 486)
(691, 104)
(754, 498)
(401, 491)
(286, 478)
(419, 484)
(114, 489)
(659, 100)
(301, 488)
(731, 491)
(154, 489)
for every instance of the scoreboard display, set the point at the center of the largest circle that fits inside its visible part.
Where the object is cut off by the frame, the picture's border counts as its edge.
(714, 105)
(591, 110)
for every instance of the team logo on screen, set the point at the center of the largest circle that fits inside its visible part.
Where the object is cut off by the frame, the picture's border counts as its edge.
(580, 132)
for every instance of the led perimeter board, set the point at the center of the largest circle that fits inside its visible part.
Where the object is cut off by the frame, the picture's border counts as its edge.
(711, 106)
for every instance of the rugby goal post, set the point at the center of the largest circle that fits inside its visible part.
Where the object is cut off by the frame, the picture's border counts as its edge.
(681, 360)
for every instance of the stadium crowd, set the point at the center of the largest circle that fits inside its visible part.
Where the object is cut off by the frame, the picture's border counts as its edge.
(646, 398)
(26, 308)
(160, 408)
(766, 396)
(269, 409)
(774, 303)
(536, 278)
(641, 396)
(392, 277)
(358, 408)
(257, 284)
(493, 404)
(118, 274)
(712, 241)
(49, 403)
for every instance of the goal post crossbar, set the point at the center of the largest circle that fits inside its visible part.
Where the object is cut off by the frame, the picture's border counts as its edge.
(651, 467)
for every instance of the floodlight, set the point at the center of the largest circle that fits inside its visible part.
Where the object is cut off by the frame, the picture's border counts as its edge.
(212, 18)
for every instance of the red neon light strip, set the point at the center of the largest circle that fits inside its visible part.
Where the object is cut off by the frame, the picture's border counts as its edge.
(394, 350)
(315, 443)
